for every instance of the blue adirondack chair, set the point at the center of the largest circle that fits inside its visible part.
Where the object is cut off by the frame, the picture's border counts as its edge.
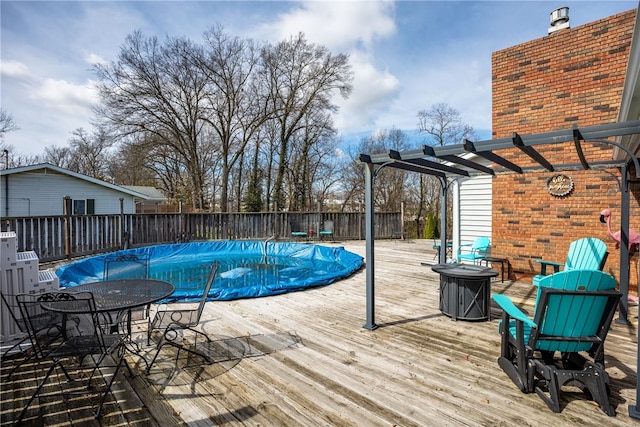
(588, 253)
(478, 250)
(564, 342)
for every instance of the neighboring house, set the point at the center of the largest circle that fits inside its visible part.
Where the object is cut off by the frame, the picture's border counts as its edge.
(40, 190)
(154, 202)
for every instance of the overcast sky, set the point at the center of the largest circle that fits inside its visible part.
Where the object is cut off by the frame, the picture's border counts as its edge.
(406, 55)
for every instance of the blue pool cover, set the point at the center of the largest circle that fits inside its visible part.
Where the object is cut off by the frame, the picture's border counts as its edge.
(246, 269)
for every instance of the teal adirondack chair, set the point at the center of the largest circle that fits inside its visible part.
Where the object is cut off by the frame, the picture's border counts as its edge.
(327, 230)
(564, 342)
(588, 253)
(478, 250)
(297, 231)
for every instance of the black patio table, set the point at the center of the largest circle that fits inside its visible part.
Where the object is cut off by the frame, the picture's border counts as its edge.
(121, 296)
(125, 294)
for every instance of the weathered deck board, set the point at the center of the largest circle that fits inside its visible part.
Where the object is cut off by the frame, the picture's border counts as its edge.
(304, 359)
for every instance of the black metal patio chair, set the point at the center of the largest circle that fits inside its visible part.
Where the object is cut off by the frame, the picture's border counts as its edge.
(175, 321)
(44, 323)
(77, 321)
(125, 266)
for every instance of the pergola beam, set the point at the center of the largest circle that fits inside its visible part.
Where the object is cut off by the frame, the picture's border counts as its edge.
(429, 151)
(438, 166)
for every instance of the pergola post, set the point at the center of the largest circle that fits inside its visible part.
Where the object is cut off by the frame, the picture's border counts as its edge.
(624, 247)
(369, 174)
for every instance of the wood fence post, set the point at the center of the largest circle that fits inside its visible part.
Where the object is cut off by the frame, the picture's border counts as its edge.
(67, 226)
(124, 238)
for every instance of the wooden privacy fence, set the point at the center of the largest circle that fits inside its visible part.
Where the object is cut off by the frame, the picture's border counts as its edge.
(67, 236)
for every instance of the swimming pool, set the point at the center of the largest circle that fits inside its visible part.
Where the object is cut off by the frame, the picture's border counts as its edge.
(246, 269)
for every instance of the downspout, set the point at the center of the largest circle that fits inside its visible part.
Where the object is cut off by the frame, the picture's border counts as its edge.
(6, 195)
(455, 229)
(6, 184)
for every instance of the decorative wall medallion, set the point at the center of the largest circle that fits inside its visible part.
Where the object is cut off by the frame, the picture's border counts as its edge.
(560, 185)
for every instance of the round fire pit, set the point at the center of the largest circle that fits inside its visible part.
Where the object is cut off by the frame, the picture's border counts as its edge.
(465, 290)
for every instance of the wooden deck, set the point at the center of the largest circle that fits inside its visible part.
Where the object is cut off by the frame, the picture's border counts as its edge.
(304, 359)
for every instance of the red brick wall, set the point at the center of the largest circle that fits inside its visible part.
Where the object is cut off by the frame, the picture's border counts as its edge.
(573, 76)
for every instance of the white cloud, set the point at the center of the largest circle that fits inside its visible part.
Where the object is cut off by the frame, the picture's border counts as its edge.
(460, 82)
(14, 69)
(350, 27)
(94, 58)
(47, 110)
(337, 25)
(66, 96)
(373, 92)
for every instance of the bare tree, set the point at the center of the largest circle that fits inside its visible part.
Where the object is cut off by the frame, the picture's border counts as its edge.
(390, 182)
(300, 77)
(7, 124)
(131, 163)
(268, 144)
(158, 89)
(308, 152)
(58, 156)
(13, 159)
(88, 152)
(236, 106)
(325, 174)
(444, 125)
(351, 182)
(168, 167)
(253, 198)
(200, 110)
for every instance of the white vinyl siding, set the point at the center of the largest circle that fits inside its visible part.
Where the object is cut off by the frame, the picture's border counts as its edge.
(37, 193)
(475, 208)
(472, 208)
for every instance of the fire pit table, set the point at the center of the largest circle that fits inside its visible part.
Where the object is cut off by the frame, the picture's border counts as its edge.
(465, 290)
